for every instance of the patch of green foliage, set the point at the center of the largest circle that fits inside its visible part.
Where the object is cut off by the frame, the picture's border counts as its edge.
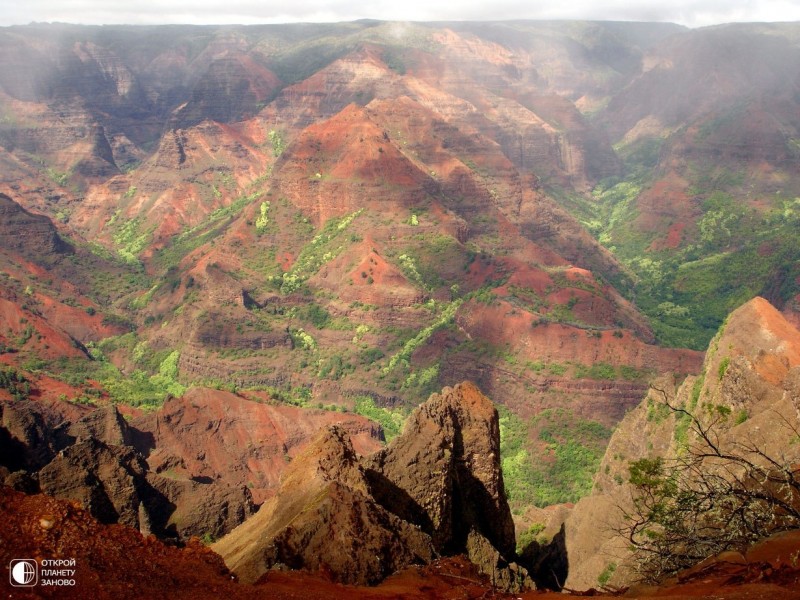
(394, 60)
(58, 177)
(445, 318)
(335, 368)
(729, 254)
(423, 381)
(573, 448)
(369, 356)
(316, 315)
(605, 575)
(153, 381)
(598, 370)
(301, 60)
(530, 535)
(206, 231)
(277, 141)
(303, 339)
(723, 367)
(324, 247)
(130, 240)
(296, 396)
(14, 383)
(656, 411)
(263, 219)
(391, 420)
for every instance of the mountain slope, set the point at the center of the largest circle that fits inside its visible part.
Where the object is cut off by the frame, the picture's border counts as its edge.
(746, 396)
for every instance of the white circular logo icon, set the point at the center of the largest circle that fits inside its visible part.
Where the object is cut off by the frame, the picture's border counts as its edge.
(23, 572)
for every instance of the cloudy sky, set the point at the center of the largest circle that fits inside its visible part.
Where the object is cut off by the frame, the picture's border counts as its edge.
(693, 13)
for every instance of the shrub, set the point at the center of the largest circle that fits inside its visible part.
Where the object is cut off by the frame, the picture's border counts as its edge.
(15, 383)
(391, 421)
(723, 367)
(709, 499)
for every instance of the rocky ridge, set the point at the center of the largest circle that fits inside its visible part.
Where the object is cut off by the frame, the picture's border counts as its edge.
(750, 373)
(436, 490)
(164, 473)
(28, 234)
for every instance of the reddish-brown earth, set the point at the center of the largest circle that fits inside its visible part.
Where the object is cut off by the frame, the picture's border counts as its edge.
(114, 561)
(435, 490)
(221, 436)
(508, 326)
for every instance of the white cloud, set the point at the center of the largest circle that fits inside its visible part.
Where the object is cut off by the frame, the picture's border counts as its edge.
(693, 13)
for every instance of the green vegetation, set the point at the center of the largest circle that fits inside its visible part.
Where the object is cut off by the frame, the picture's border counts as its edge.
(530, 535)
(723, 367)
(600, 370)
(320, 250)
(58, 177)
(393, 58)
(14, 383)
(334, 368)
(687, 508)
(426, 379)
(596, 371)
(404, 355)
(130, 240)
(303, 339)
(715, 261)
(408, 266)
(154, 379)
(206, 231)
(314, 314)
(277, 141)
(296, 396)
(568, 451)
(391, 421)
(605, 575)
(263, 219)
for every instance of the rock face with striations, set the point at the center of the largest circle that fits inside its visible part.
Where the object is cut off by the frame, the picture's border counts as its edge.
(436, 490)
(26, 233)
(213, 435)
(92, 460)
(102, 477)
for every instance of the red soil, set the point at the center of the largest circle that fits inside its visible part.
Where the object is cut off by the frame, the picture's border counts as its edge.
(47, 341)
(373, 280)
(113, 561)
(759, 318)
(248, 443)
(344, 163)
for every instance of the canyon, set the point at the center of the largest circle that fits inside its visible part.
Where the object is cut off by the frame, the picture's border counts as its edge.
(248, 270)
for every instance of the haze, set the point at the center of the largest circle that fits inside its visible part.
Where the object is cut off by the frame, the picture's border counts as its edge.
(153, 12)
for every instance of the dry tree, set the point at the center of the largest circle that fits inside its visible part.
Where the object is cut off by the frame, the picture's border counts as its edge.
(713, 496)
